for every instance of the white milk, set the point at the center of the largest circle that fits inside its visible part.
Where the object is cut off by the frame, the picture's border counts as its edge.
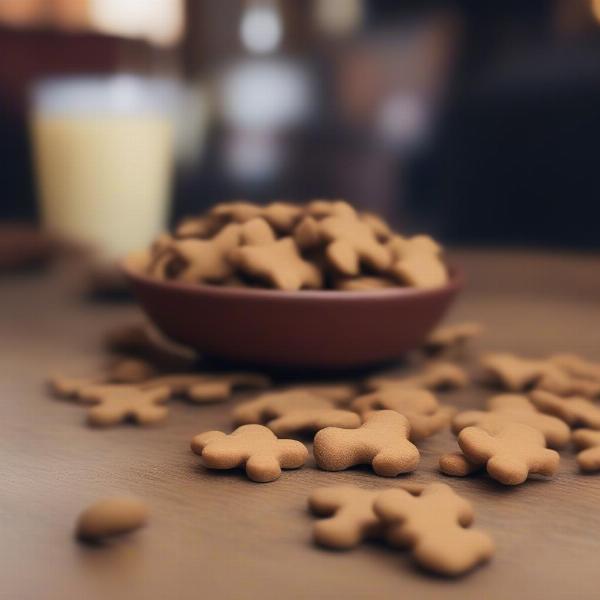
(103, 152)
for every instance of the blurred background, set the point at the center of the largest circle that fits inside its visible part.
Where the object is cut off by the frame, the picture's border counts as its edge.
(475, 121)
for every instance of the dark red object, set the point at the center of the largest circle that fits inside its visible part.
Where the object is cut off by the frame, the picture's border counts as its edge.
(308, 329)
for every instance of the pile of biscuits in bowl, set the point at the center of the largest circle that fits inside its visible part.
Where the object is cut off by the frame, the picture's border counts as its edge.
(323, 244)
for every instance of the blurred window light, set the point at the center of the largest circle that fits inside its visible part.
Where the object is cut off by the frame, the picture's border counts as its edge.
(403, 120)
(253, 157)
(261, 28)
(266, 94)
(339, 17)
(158, 21)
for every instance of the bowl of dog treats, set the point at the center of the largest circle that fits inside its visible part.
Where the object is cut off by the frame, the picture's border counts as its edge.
(318, 285)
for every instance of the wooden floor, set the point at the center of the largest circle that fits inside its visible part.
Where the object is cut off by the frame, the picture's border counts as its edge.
(218, 535)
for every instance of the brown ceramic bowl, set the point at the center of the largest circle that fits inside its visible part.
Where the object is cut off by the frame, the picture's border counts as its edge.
(307, 329)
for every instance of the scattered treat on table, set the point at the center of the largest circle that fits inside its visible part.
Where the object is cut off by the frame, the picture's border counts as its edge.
(339, 393)
(253, 447)
(510, 452)
(576, 366)
(322, 244)
(570, 386)
(351, 518)
(381, 441)
(309, 421)
(279, 264)
(574, 411)
(587, 441)
(434, 376)
(130, 370)
(117, 403)
(434, 526)
(424, 413)
(271, 405)
(507, 408)
(207, 387)
(110, 517)
(517, 374)
(71, 387)
(456, 464)
(451, 336)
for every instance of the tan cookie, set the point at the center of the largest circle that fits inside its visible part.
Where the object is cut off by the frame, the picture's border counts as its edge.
(309, 421)
(253, 447)
(364, 284)
(517, 374)
(256, 232)
(351, 516)
(417, 261)
(419, 406)
(456, 464)
(382, 442)
(338, 392)
(238, 211)
(282, 216)
(71, 387)
(433, 525)
(278, 264)
(207, 387)
(320, 209)
(268, 406)
(564, 384)
(203, 260)
(510, 453)
(435, 376)
(576, 366)
(118, 403)
(350, 243)
(588, 442)
(574, 411)
(130, 370)
(111, 516)
(451, 336)
(203, 227)
(514, 408)
(381, 230)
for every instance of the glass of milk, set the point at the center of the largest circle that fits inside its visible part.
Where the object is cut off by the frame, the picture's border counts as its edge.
(103, 153)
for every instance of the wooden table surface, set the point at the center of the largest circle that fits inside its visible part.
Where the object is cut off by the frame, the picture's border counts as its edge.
(218, 535)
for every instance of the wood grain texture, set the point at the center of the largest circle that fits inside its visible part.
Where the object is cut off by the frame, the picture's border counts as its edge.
(218, 535)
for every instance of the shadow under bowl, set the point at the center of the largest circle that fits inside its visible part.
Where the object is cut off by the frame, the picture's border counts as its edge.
(317, 330)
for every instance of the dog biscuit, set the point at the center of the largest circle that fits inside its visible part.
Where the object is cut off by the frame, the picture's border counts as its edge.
(363, 284)
(111, 516)
(381, 441)
(507, 408)
(451, 336)
(587, 441)
(574, 411)
(510, 452)
(435, 376)
(417, 262)
(434, 526)
(253, 447)
(576, 366)
(456, 464)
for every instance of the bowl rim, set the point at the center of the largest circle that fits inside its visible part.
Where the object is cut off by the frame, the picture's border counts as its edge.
(455, 282)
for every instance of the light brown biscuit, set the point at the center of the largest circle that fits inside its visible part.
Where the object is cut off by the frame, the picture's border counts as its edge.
(381, 230)
(130, 370)
(203, 227)
(309, 421)
(340, 393)
(268, 406)
(320, 209)
(364, 284)
(419, 406)
(456, 464)
(568, 385)
(433, 525)
(435, 376)
(576, 366)
(588, 442)
(207, 387)
(507, 408)
(574, 411)
(238, 211)
(350, 243)
(253, 447)
(203, 260)
(417, 261)
(111, 516)
(517, 374)
(117, 403)
(451, 336)
(382, 442)
(278, 264)
(351, 518)
(510, 453)
(256, 232)
(282, 216)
